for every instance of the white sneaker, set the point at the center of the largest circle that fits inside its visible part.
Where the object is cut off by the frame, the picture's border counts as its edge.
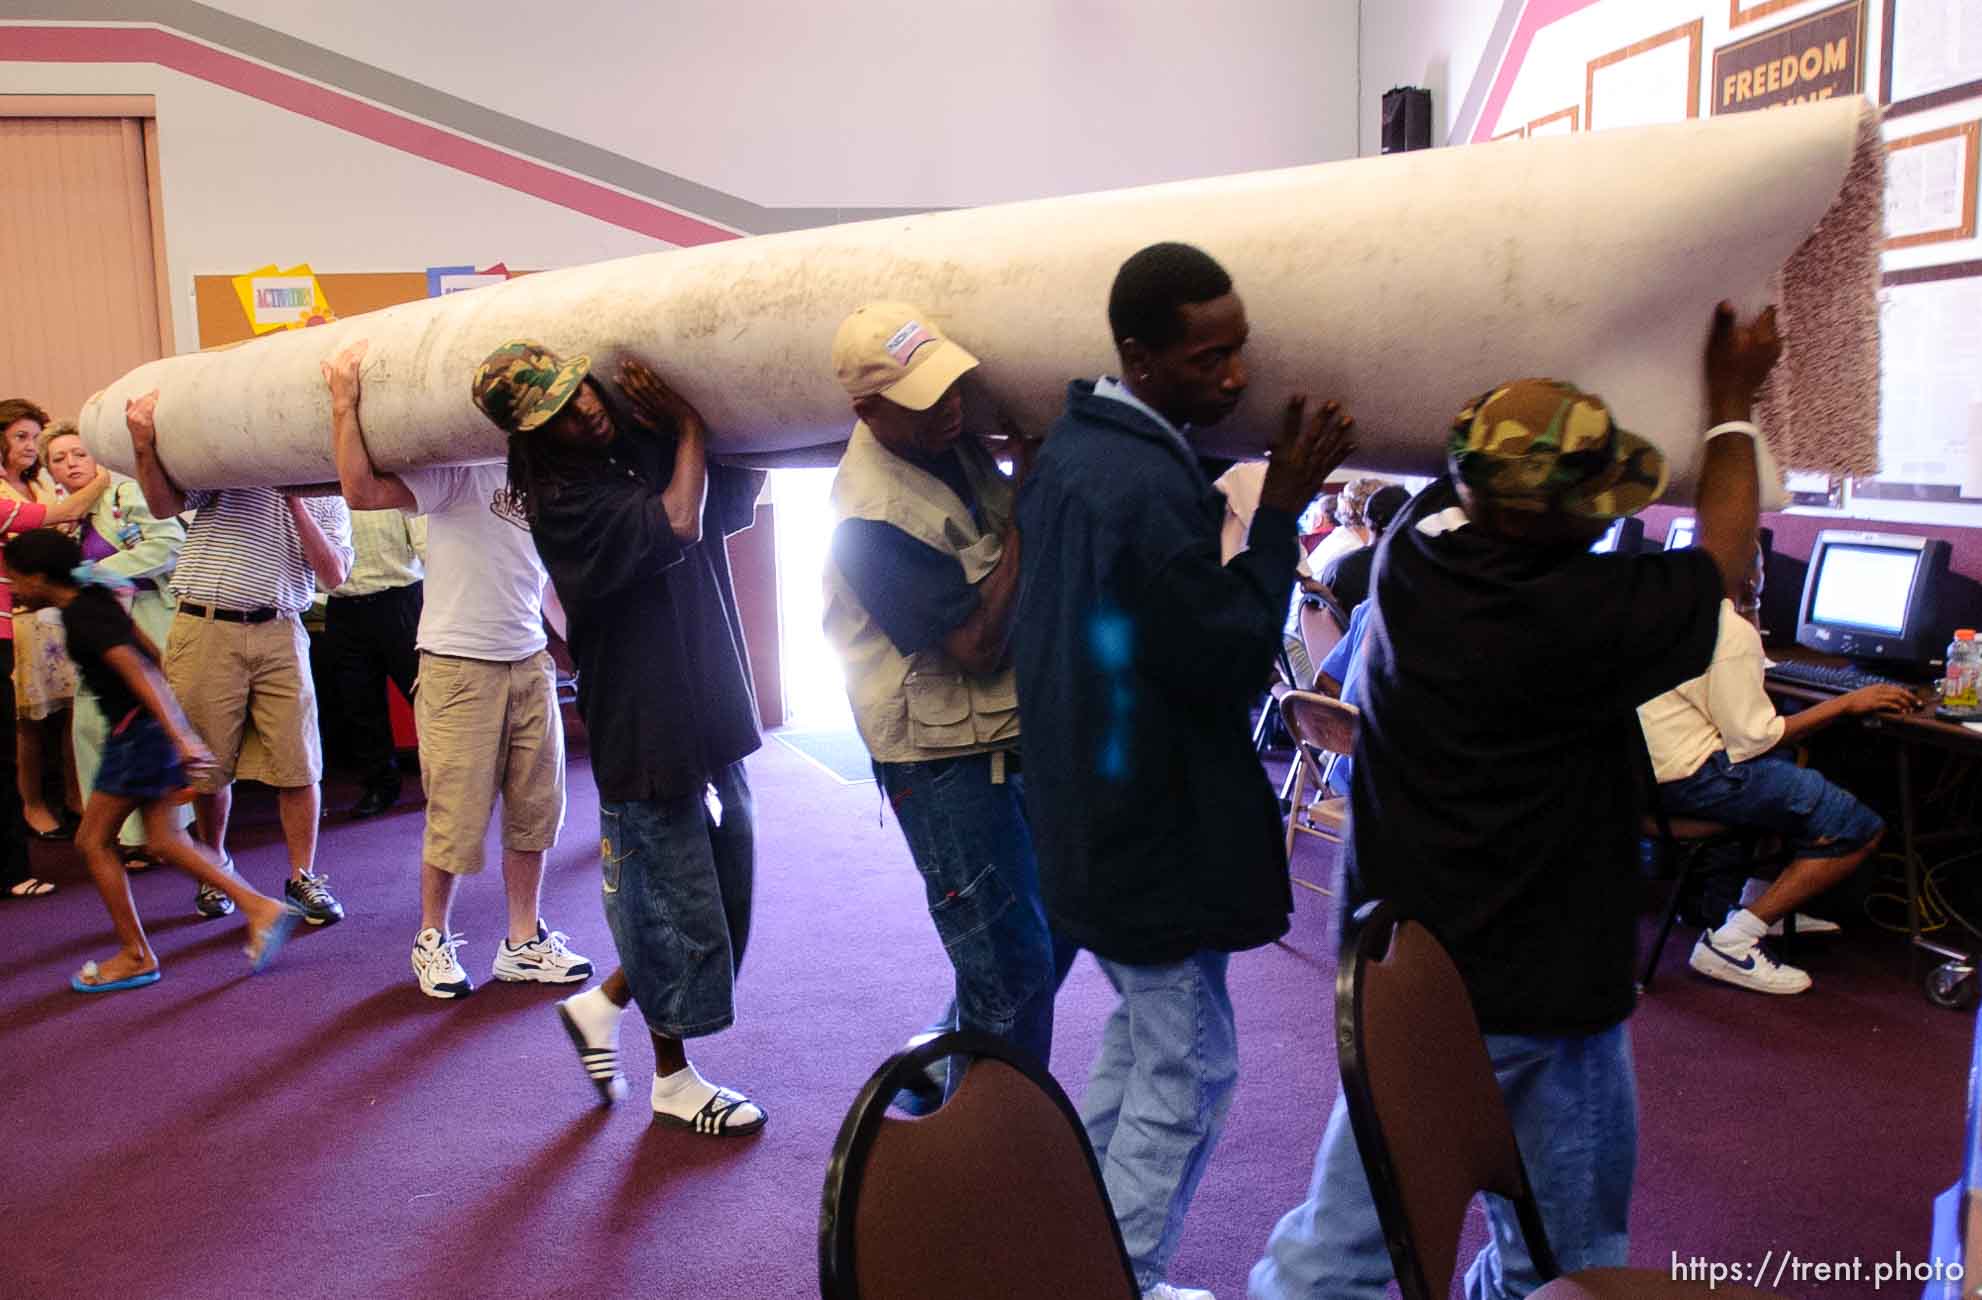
(1806, 925)
(439, 970)
(1747, 966)
(1164, 1291)
(542, 960)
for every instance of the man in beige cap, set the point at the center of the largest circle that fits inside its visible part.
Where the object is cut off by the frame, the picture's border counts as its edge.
(920, 589)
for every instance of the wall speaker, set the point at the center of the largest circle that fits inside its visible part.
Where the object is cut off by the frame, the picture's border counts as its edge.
(1406, 119)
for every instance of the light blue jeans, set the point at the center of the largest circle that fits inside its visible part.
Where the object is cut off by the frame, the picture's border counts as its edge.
(1157, 1098)
(1574, 1103)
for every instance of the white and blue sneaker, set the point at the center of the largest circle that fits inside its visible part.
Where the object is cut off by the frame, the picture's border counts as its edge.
(542, 960)
(438, 968)
(1744, 963)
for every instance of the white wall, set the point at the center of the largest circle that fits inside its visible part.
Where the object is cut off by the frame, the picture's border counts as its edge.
(246, 184)
(1436, 44)
(832, 103)
(897, 103)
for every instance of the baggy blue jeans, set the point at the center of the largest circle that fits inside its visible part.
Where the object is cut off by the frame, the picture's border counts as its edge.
(1574, 1105)
(1157, 1098)
(677, 897)
(972, 845)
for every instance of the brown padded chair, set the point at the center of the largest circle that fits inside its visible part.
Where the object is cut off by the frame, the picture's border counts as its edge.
(1430, 1122)
(1322, 624)
(1321, 727)
(994, 1194)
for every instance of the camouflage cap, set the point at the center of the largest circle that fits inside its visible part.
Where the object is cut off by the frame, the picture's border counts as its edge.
(522, 384)
(1544, 446)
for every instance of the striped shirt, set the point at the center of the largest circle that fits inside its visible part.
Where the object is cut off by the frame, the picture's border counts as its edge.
(243, 552)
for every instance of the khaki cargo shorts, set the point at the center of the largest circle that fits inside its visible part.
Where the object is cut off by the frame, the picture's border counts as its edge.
(488, 729)
(247, 690)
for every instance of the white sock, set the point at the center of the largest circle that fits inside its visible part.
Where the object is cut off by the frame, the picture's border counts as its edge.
(597, 1017)
(1752, 891)
(684, 1093)
(1741, 929)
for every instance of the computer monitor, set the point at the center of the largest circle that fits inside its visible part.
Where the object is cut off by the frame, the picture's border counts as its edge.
(1624, 537)
(1874, 596)
(1684, 531)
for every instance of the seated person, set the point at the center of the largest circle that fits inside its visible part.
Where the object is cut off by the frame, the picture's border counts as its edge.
(1352, 528)
(1341, 675)
(1715, 743)
(1348, 574)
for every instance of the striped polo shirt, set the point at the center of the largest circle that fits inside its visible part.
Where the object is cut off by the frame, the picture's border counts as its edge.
(243, 552)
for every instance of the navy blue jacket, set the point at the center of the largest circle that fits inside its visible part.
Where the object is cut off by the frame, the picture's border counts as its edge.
(1138, 658)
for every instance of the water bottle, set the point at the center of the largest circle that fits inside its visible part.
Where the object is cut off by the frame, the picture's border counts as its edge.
(1961, 688)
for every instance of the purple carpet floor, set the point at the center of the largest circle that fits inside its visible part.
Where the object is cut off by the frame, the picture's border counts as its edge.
(324, 1130)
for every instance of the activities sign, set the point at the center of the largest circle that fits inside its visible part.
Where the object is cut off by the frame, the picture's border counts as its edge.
(282, 300)
(1816, 57)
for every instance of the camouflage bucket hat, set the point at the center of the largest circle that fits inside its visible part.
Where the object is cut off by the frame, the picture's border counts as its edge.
(1544, 446)
(522, 384)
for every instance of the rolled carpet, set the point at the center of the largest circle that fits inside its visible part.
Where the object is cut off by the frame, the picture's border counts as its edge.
(1401, 285)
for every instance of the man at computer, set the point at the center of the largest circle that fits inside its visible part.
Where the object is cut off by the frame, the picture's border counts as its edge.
(1494, 796)
(1718, 750)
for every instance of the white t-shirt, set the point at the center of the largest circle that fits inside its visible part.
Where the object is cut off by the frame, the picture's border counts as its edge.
(1337, 544)
(485, 584)
(1727, 707)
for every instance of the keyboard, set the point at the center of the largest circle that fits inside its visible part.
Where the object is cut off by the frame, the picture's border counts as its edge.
(1829, 677)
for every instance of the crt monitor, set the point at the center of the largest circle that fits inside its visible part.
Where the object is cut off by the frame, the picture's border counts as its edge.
(1623, 537)
(1874, 596)
(1684, 531)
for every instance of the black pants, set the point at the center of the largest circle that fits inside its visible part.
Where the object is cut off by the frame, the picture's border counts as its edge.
(13, 830)
(369, 639)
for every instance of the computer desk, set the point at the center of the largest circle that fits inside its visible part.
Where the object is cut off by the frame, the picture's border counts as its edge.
(1953, 982)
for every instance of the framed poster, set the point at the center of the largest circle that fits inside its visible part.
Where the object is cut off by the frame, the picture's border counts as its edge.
(1930, 390)
(1815, 57)
(1655, 80)
(1565, 121)
(1932, 55)
(1741, 12)
(1930, 186)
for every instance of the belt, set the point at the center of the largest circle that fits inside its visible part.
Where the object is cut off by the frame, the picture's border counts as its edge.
(262, 615)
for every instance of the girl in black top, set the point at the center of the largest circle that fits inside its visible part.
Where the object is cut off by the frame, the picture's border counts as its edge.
(145, 759)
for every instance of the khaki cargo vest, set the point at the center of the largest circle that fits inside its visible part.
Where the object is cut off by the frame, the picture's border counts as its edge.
(917, 708)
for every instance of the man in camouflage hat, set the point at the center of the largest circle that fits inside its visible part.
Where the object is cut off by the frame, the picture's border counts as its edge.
(630, 518)
(1497, 792)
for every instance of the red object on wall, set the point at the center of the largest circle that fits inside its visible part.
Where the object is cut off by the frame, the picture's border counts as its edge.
(401, 713)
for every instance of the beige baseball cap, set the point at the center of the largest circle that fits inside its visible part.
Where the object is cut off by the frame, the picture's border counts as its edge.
(894, 350)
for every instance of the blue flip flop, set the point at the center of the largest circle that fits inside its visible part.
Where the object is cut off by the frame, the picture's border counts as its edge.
(277, 935)
(80, 981)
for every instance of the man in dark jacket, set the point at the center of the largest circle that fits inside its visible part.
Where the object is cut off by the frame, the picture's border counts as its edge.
(629, 518)
(1138, 654)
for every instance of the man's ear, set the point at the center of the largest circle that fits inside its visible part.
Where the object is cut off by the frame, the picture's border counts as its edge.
(1135, 357)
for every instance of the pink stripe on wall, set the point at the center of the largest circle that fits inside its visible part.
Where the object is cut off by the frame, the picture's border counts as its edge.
(151, 45)
(1538, 14)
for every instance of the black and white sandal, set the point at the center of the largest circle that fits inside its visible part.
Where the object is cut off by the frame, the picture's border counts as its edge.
(714, 1119)
(601, 1063)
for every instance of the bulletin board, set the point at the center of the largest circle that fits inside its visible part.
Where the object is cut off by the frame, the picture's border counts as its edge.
(221, 320)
